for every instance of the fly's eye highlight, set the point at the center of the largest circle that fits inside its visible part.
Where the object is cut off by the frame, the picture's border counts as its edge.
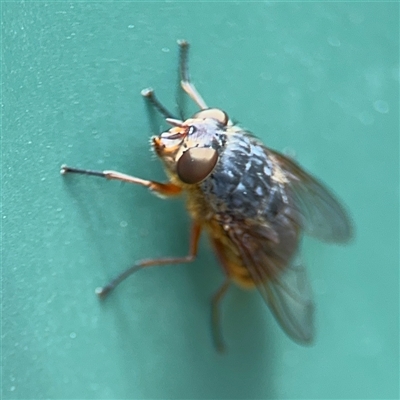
(214, 113)
(196, 164)
(192, 129)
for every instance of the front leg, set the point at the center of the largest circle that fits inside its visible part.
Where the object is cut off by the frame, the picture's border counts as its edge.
(161, 189)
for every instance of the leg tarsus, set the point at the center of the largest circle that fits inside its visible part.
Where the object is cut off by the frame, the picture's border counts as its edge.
(149, 94)
(64, 169)
(104, 291)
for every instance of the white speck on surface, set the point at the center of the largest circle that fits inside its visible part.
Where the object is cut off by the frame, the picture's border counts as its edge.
(131, 26)
(123, 224)
(369, 342)
(370, 347)
(265, 76)
(165, 49)
(334, 41)
(51, 298)
(366, 118)
(356, 18)
(72, 335)
(294, 93)
(381, 106)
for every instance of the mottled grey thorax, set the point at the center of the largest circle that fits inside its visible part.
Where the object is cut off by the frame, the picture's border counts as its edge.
(241, 185)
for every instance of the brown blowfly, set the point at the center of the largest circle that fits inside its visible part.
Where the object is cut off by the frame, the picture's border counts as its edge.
(253, 202)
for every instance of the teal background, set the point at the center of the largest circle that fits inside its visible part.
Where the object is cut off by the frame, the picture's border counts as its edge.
(318, 79)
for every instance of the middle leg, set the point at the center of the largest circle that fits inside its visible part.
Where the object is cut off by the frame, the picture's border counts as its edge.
(102, 292)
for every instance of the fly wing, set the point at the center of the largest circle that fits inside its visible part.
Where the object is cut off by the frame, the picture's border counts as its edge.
(321, 214)
(289, 297)
(280, 279)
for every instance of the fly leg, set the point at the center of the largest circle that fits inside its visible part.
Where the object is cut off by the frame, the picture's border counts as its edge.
(148, 93)
(162, 189)
(186, 84)
(217, 297)
(215, 316)
(102, 292)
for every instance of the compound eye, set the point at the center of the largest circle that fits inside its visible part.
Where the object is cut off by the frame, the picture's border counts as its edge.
(214, 113)
(196, 164)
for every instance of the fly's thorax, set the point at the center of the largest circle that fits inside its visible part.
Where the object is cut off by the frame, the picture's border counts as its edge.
(241, 183)
(190, 150)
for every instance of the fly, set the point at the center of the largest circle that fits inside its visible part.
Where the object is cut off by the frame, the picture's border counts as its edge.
(253, 202)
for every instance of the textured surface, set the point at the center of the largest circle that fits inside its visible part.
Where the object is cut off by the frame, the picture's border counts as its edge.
(318, 79)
